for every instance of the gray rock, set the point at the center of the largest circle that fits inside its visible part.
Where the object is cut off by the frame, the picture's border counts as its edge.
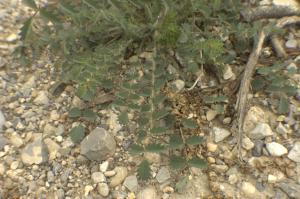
(35, 152)
(3, 141)
(220, 134)
(131, 183)
(42, 98)
(121, 173)
(2, 121)
(98, 145)
(276, 149)
(290, 188)
(280, 195)
(291, 43)
(103, 189)
(98, 177)
(294, 153)
(148, 193)
(261, 131)
(258, 147)
(163, 175)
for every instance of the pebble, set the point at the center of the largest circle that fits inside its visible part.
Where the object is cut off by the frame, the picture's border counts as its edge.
(211, 114)
(253, 116)
(220, 134)
(228, 74)
(247, 143)
(42, 98)
(2, 169)
(294, 153)
(104, 166)
(281, 129)
(88, 189)
(98, 145)
(152, 157)
(276, 149)
(168, 189)
(226, 120)
(261, 131)
(109, 173)
(14, 165)
(103, 189)
(291, 43)
(258, 147)
(54, 115)
(248, 189)
(274, 178)
(211, 147)
(178, 85)
(163, 175)
(290, 188)
(53, 148)
(232, 179)
(2, 121)
(35, 152)
(3, 141)
(121, 173)
(131, 183)
(148, 193)
(98, 177)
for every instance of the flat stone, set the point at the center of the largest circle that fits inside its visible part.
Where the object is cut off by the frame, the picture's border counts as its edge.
(291, 43)
(35, 152)
(228, 74)
(121, 174)
(42, 98)
(53, 148)
(211, 147)
(290, 188)
(211, 114)
(220, 134)
(131, 183)
(261, 131)
(178, 85)
(104, 166)
(98, 177)
(163, 175)
(247, 143)
(248, 189)
(49, 130)
(148, 193)
(276, 149)
(254, 116)
(294, 153)
(103, 189)
(16, 140)
(98, 145)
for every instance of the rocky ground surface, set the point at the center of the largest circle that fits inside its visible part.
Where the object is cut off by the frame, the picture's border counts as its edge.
(39, 160)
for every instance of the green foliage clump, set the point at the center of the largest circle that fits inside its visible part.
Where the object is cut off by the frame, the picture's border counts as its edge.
(99, 45)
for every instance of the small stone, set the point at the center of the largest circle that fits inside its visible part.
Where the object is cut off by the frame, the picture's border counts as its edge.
(163, 175)
(121, 173)
(228, 74)
(294, 153)
(168, 189)
(211, 160)
(254, 115)
(211, 114)
(232, 179)
(103, 189)
(98, 145)
(110, 173)
(104, 166)
(261, 131)
(54, 115)
(281, 129)
(131, 183)
(247, 143)
(12, 37)
(248, 188)
(276, 149)
(88, 189)
(276, 177)
(98, 177)
(59, 194)
(2, 169)
(152, 157)
(226, 120)
(258, 147)
(147, 193)
(14, 165)
(42, 99)
(291, 43)
(211, 147)
(2, 121)
(3, 141)
(220, 134)
(53, 148)
(35, 152)
(178, 85)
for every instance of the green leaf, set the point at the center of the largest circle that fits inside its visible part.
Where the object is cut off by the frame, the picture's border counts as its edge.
(26, 29)
(197, 162)
(142, 121)
(215, 99)
(160, 114)
(77, 133)
(175, 141)
(189, 123)
(159, 99)
(74, 112)
(155, 148)
(158, 130)
(48, 15)
(136, 149)
(283, 106)
(145, 108)
(30, 3)
(134, 106)
(194, 140)
(181, 184)
(89, 115)
(177, 162)
(257, 84)
(123, 118)
(144, 171)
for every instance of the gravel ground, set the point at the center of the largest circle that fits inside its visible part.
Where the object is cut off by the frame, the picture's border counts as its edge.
(39, 160)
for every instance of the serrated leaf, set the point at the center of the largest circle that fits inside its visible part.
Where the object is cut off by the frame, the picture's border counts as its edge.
(48, 15)
(197, 162)
(194, 140)
(74, 112)
(175, 141)
(30, 3)
(155, 148)
(144, 171)
(257, 84)
(136, 149)
(218, 108)
(283, 106)
(123, 118)
(146, 92)
(158, 130)
(159, 98)
(189, 123)
(141, 135)
(77, 133)
(145, 108)
(26, 28)
(177, 162)
(134, 106)
(160, 114)
(89, 115)
(181, 184)
(159, 83)
(142, 121)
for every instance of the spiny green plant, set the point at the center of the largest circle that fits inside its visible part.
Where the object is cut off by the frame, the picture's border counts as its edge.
(97, 44)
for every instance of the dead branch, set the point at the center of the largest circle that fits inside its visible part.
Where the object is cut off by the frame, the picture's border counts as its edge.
(278, 46)
(267, 12)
